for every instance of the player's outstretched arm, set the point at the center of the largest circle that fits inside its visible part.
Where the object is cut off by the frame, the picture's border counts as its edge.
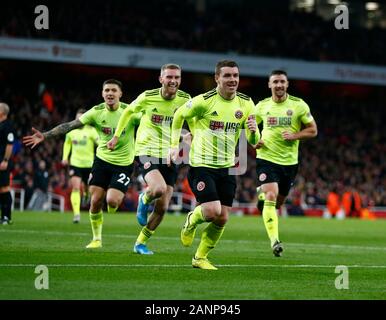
(39, 137)
(33, 140)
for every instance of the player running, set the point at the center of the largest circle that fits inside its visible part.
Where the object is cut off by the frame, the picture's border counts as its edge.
(152, 147)
(78, 152)
(220, 115)
(111, 171)
(283, 118)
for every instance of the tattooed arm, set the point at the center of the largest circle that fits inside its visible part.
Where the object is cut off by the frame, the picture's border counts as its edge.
(59, 130)
(63, 129)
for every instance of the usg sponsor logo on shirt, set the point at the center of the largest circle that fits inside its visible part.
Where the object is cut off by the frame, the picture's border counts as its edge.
(232, 126)
(279, 121)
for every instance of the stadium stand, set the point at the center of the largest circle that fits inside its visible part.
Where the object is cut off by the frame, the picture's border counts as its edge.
(291, 34)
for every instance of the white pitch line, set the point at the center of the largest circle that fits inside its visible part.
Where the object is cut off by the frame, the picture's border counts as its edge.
(70, 265)
(289, 244)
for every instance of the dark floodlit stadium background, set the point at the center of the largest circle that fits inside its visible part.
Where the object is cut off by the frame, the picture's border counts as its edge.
(349, 150)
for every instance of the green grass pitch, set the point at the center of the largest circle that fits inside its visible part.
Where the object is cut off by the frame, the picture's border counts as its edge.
(247, 268)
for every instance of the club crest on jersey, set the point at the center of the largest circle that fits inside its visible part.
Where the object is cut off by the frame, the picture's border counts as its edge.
(201, 186)
(147, 165)
(262, 177)
(289, 113)
(239, 114)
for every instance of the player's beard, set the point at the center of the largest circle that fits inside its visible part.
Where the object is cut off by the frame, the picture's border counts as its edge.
(280, 93)
(172, 89)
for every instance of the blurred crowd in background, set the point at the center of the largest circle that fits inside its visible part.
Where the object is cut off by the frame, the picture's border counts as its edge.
(349, 153)
(245, 28)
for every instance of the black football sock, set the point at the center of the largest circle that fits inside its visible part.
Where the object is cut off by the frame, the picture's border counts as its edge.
(6, 205)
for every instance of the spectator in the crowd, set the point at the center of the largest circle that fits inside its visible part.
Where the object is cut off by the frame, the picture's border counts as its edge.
(295, 201)
(352, 202)
(334, 204)
(130, 201)
(40, 185)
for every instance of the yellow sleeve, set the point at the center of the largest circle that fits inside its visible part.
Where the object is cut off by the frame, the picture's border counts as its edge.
(252, 137)
(134, 107)
(189, 110)
(95, 137)
(136, 118)
(259, 119)
(306, 116)
(123, 121)
(66, 147)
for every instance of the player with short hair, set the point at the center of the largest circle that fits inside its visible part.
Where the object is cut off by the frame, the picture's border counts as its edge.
(78, 152)
(7, 139)
(152, 146)
(111, 170)
(219, 117)
(283, 117)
